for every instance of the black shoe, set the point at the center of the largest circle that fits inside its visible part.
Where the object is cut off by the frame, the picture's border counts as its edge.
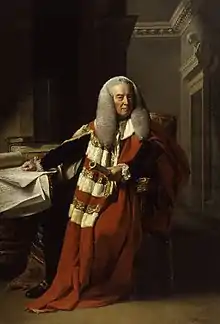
(37, 291)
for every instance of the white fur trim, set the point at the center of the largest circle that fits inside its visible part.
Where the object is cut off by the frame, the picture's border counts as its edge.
(98, 154)
(98, 190)
(83, 219)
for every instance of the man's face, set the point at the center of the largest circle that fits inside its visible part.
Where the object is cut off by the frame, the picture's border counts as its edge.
(123, 99)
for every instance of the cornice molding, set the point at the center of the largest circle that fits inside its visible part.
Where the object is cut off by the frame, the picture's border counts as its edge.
(154, 29)
(179, 21)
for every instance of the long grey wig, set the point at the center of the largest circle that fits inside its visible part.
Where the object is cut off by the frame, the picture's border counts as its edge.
(106, 116)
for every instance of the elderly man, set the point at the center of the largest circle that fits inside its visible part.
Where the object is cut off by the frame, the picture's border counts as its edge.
(113, 156)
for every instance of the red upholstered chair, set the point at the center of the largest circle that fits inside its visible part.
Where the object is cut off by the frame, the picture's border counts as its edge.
(154, 265)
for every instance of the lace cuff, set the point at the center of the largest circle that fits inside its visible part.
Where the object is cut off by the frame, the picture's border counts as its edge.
(126, 175)
(38, 165)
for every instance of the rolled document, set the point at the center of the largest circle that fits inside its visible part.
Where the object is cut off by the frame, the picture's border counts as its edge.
(11, 159)
(98, 167)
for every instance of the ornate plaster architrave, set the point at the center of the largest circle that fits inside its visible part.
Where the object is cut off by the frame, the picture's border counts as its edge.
(179, 21)
(189, 66)
(196, 83)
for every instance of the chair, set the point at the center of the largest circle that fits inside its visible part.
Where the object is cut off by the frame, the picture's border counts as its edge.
(155, 257)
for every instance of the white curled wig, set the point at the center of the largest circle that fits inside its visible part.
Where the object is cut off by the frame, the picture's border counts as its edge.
(106, 116)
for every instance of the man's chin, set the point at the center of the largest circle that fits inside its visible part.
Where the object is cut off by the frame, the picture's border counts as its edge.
(123, 116)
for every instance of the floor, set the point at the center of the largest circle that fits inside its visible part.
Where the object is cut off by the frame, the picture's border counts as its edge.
(185, 309)
(197, 267)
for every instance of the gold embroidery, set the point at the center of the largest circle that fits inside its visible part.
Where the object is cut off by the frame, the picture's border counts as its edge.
(84, 130)
(107, 185)
(90, 174)
(142, 185)
(108, 188)
(89, 209)
(94, 140)
(86, 173)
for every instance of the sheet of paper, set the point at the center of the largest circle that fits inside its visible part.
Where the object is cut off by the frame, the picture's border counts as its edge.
(18, 177)
(22, 193)
(17, 200)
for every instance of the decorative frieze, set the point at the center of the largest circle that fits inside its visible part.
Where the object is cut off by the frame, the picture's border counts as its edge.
(179, 21)
(182, 17)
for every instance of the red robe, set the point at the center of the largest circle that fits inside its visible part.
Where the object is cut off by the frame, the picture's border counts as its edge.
(96, 264)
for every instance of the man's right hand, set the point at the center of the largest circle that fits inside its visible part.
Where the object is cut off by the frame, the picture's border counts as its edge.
(29, 165)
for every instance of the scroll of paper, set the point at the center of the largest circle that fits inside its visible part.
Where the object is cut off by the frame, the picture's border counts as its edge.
(12, 159)
(22, 193)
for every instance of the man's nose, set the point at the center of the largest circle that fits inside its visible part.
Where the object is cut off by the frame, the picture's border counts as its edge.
(125, 100)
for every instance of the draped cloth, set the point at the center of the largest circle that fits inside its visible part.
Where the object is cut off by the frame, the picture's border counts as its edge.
(174, 171)
(96, 263)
